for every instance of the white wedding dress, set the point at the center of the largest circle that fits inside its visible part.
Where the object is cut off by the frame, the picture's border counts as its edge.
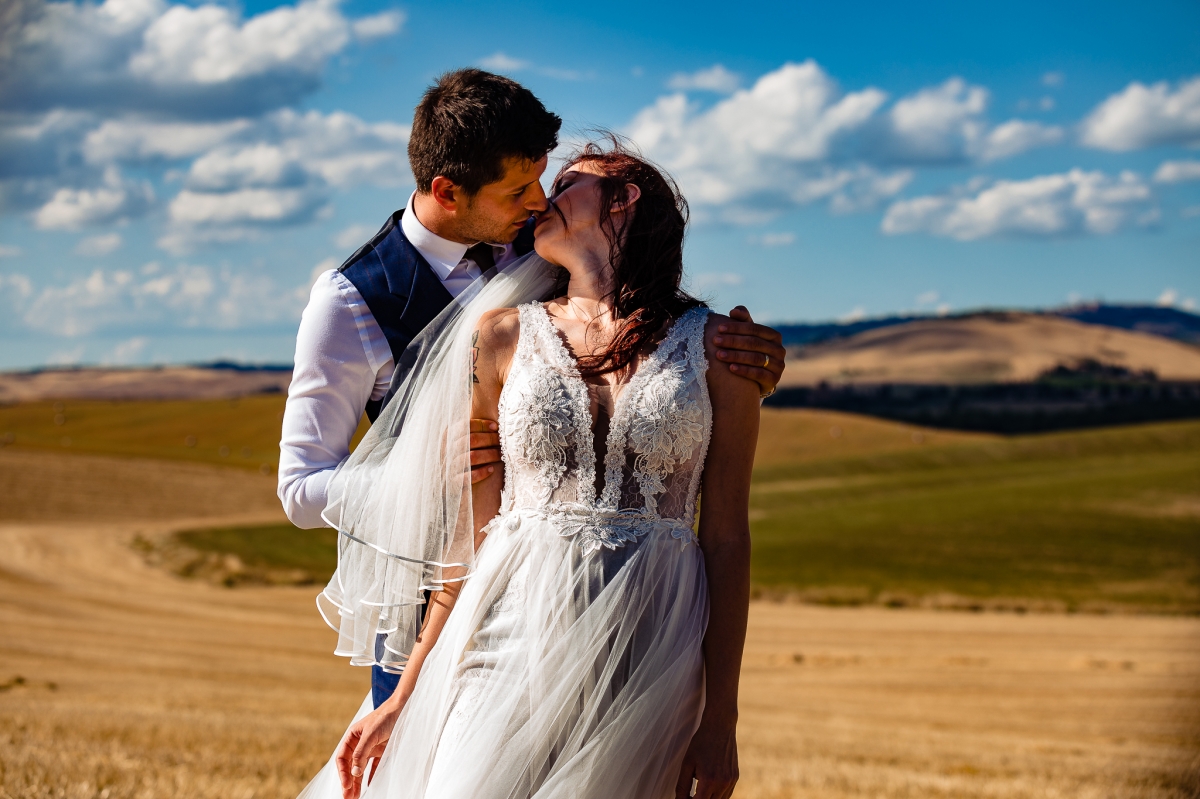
(571, 665)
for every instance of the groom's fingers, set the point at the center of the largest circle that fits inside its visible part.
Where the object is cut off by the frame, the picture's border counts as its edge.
(483, 462)
(485, 448)
(484, 441)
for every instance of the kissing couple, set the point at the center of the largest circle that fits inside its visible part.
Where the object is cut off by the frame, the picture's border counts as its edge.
(519, 556)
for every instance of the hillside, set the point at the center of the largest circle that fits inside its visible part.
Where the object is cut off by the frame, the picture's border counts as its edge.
(1158, 320)
(219, 381)
(985, 348)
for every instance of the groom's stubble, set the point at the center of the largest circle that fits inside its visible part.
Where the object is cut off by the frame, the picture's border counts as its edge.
(497, 212)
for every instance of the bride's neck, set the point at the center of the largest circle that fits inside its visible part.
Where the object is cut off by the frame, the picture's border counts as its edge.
(590, 289)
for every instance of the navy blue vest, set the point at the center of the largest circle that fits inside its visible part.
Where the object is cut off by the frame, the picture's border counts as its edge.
(400, 287)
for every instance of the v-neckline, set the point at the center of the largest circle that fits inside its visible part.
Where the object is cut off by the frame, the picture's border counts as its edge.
(616, 420)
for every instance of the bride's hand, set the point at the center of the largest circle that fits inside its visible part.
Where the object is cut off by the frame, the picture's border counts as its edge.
(366, 739)
(711, 760)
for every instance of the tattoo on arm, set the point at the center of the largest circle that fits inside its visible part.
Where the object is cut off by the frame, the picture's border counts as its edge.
(474, 357)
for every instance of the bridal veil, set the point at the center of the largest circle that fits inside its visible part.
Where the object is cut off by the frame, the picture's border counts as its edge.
(401, 502)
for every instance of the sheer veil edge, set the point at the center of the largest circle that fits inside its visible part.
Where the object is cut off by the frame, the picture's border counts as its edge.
(401, 502)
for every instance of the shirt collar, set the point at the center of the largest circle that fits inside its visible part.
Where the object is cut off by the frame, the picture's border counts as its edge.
(441, 254)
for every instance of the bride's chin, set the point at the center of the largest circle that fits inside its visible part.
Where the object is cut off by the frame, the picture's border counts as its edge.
(547, 253)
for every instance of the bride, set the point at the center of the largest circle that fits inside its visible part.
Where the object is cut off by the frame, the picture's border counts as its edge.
(583, 637)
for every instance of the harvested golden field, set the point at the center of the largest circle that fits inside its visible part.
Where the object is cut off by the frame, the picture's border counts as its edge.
(118, 679)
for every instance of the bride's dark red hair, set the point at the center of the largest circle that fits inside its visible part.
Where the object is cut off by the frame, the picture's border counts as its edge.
(646, 254)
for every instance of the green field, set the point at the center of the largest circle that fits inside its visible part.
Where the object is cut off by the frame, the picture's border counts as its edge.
(277, 553)
(240, 432)
(1102, 519)
(844, 509)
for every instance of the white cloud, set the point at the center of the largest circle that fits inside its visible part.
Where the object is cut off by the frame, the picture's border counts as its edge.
(794, 137)
(1189, 304)
(714, 79)
(774, 239)
(321, 268)
(1015, 137)
(137, 139)
(378, 26)
(1053, 79)
(865, 188)
(941, 123)
(15, 290)
(1145, 116)
(186, 297)
(208, 44)
(88, 86)
(203, 60)
(99, 245)
(114, 201)
(126, 352)
(353, 237)
(343, 149)
(1168, 298)
(947, 124)
(500, 62)
(928, 298)
(1073, 202)
(762, 147)
(856, 314)
(1046, 103)
(252, 166)
(9, 251)
(281, 173)
(253, 205)
(1190, 212)
(1177, 171)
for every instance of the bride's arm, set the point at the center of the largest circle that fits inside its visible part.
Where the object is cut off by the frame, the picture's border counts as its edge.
(711, 758)
(493, 343)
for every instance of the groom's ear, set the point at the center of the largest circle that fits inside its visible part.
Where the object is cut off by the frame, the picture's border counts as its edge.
(447, 193)
(632, 193)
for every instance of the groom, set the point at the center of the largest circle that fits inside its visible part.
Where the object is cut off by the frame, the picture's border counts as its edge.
(479, 145)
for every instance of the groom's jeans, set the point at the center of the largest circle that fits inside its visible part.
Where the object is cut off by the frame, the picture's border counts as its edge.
(383, 683)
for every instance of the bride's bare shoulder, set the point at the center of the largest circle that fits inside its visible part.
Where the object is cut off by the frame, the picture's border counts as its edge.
(495, 339)
(499, 327)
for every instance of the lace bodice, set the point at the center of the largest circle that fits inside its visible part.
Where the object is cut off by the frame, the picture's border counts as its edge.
(657, 438)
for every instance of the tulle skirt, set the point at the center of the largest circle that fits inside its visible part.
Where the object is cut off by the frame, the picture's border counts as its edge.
(559, 673)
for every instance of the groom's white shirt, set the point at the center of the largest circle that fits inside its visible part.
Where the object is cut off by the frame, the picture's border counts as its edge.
(342, 361)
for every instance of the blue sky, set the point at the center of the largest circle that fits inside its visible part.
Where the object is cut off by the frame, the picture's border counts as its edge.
(173, 174)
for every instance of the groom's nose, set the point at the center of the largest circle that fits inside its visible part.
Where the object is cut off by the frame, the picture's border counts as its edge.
(535, 199)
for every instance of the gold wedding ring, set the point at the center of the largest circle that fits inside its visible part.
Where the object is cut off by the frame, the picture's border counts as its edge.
(766, 360)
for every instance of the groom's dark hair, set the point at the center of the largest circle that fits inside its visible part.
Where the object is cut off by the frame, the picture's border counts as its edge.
(469, 121)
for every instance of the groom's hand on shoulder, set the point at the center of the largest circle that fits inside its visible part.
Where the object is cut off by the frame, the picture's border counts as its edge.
(752, 351)
(485, 448)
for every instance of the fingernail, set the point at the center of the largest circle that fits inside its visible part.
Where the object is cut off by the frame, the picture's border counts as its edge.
(355, 772)
(722, 354)
(493, 426)
(723, 328)
(491, 469)
(733, 367)
(718, 340)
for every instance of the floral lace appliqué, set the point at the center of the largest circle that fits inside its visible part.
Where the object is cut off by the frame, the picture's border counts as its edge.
(666, 430)
(661, 421)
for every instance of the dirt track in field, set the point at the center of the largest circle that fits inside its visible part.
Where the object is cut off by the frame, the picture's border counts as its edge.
(138, 683)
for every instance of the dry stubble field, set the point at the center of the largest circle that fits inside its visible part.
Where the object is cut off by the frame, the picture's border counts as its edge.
(120, 680)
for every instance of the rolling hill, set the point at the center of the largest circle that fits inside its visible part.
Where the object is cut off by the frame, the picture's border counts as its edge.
(1156, 319)
(991, 347)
